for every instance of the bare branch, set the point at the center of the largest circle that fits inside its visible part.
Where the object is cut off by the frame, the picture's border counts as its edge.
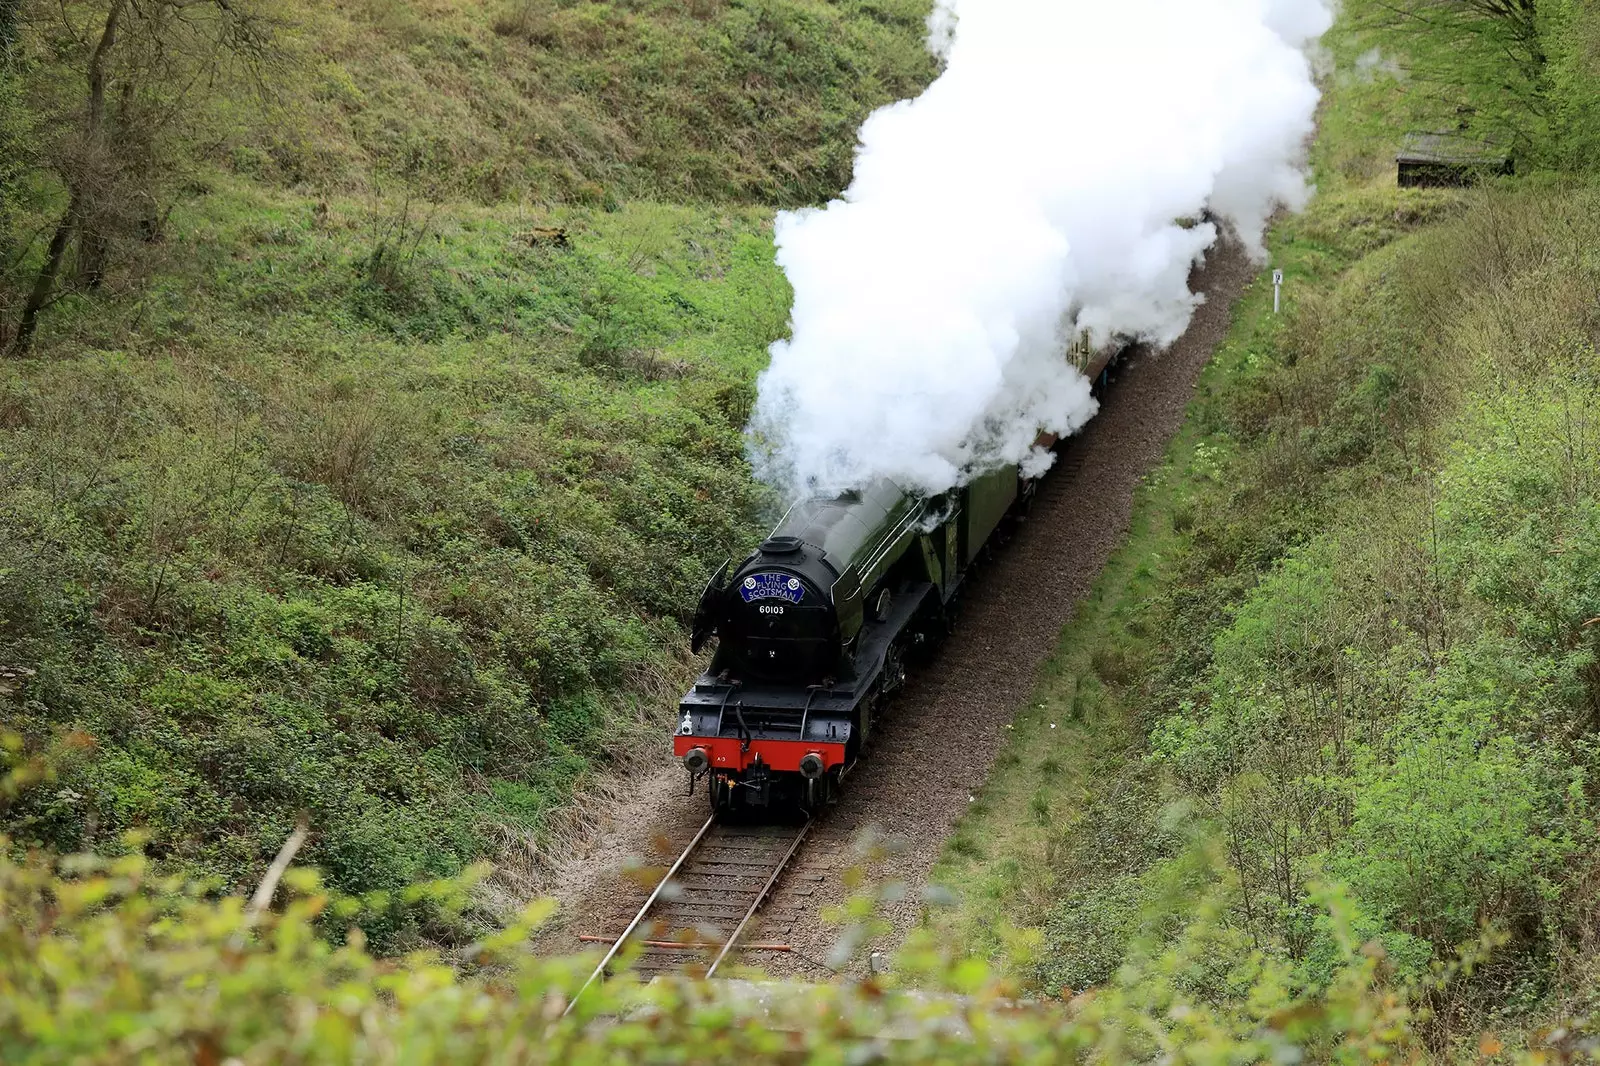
(269, 883)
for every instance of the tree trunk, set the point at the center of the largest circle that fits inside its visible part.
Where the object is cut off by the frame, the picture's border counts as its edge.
(93, 250)
(97, 71)
(94, 247)
(10, 15)
(44, 285)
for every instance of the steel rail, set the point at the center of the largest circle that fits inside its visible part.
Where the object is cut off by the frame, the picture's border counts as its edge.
(761, 897)
(599, 971)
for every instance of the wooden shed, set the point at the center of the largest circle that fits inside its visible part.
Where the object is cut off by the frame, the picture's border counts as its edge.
(1448, 158)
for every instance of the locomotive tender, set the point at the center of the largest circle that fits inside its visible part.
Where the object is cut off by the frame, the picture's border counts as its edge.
(815, 628)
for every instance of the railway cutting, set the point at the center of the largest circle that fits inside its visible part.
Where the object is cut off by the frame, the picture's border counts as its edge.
(935, 742)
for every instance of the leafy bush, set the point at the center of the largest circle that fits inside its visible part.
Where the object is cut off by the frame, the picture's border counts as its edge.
(1573, 39)
(103, 961)
(1403, 698)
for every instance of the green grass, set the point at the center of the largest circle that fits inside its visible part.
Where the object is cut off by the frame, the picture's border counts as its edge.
(1073, 818)
(1349, 635)
(378, 477)
(597, 103)
(409, 550)
(1070, 816)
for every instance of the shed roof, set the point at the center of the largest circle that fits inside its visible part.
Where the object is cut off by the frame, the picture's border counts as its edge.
(1450, 146)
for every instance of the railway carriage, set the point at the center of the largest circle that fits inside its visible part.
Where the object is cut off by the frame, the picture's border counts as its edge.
(815, 629)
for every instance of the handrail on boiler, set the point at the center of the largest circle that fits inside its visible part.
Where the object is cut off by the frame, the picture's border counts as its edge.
(728, 689)
(805, 712)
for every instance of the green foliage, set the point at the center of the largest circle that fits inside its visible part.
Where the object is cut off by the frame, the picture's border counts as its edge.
(1572, 36)
(1520, 75)
(1359, 601)
(589, 103)
(1482, 60)
(15, 153)
(410, 565)
(104, 961)
(1445, 833)
(1403, 699)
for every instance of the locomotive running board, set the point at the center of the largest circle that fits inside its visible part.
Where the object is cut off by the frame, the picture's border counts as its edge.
(876, 637)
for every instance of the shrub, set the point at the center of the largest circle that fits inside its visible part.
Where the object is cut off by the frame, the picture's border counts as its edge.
(102, 961)
(1400, 699)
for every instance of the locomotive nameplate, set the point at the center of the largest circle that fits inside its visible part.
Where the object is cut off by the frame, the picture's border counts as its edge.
(771, 587)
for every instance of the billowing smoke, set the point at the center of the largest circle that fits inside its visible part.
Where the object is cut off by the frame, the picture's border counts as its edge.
(1034, 191)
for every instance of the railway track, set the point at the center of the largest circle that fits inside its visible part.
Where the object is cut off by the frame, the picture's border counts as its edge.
(702, 908)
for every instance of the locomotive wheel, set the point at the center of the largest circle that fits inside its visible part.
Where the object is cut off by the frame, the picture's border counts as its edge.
(894, 668)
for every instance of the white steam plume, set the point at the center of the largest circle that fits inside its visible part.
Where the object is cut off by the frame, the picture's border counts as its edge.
(1031, 192)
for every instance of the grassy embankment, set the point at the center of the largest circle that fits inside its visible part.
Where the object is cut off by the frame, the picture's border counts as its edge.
(1353, 635)
(357, 492)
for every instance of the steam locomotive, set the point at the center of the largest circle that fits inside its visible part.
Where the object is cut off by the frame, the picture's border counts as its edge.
(816, 628)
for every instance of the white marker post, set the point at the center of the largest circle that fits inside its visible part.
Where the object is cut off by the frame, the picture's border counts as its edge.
(1277, 289)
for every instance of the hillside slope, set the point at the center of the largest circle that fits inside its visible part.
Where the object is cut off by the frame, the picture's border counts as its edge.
(373, 477)
(593, 102)
(1353, 638)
